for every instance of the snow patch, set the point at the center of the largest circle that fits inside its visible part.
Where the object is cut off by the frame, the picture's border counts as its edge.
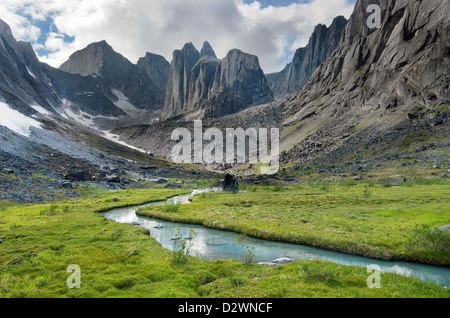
(41, 110)
(31, 73)
(16, 121)
(80, 118)
(83, 118)
(123, 102)
(115, 138)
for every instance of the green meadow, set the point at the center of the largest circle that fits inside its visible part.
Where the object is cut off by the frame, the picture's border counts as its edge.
(374, 220)
(121, 260)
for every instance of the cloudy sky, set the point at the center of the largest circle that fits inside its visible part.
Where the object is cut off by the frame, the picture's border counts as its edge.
(272, 30)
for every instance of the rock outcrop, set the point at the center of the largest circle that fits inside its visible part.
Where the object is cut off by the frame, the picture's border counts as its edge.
(200, 82)
(179, 80)
(230, 184)
(306, 60)
(152, 73)
(238, 83)
(207, 50)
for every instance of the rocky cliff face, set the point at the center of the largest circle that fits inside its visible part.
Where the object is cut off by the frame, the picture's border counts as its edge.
(201, 82)
(295, 75)
(238, 83)
(178, 80)
(141, 84)
(152, 73)
(377, 84)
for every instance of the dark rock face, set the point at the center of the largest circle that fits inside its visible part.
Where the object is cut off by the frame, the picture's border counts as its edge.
(201, 82)
(143, 84)
(230, 184)
(178, 80)
(306, 60)
(152, 74)
(238, 83)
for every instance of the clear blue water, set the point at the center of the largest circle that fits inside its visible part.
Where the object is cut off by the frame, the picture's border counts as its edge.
(213, 244)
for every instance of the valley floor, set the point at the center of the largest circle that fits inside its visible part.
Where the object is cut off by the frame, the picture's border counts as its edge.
(40, 241)
(380, 221)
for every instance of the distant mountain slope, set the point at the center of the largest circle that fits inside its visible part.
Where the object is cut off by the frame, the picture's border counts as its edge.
(26, 82)
(143, 84)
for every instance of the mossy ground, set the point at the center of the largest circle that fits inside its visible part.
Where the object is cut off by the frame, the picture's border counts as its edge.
(42, 240)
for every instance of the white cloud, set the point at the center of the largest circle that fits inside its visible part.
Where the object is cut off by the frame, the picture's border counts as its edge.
(133, 27)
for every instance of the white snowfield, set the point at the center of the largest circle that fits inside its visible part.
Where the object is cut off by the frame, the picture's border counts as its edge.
(123, 102)
(16, 121)
(115, 138)
(20, 123)
(41, 110)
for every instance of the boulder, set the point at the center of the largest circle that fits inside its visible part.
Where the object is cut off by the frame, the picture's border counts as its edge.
(393, 180)
(173, 186)
(230, 184)
(113, 178)
(81, 175)
(67, 185)
(283, 260)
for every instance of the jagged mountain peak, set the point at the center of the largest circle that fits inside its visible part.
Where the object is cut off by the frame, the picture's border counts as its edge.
(207, 50)
(152, 56)
(5, 30)
(92, 59)
(321, 45)
(189, 47)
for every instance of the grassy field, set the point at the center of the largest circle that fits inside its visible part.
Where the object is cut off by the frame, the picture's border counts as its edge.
(42, 240)
(373, 220)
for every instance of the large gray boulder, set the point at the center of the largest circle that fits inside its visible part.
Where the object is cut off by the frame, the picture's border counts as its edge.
(230, 184)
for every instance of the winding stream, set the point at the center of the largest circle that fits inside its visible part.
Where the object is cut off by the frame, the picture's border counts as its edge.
(214, 244)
